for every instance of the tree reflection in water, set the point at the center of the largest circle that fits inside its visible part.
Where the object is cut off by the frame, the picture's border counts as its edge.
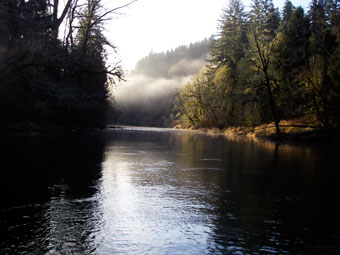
(142, 191)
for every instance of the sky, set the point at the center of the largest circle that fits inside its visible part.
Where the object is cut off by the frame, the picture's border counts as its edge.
(161, 25)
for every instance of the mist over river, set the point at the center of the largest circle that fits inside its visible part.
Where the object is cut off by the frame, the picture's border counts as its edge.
(161, 191)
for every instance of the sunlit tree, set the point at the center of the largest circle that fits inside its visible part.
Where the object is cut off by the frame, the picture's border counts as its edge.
(264, 22)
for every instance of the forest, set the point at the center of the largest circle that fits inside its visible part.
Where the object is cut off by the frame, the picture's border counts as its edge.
(147, 97)
(264, 66)
(268, 66)
(54, 70)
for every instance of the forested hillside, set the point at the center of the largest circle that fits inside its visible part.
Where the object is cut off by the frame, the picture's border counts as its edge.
(182, 61)
(268, 66)
(147, 97)
(47, 81)
(264, 66)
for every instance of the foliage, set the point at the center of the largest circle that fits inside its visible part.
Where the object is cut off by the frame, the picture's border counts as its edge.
(46, 80)
(152, 85)
(266, 67)
(173, 63)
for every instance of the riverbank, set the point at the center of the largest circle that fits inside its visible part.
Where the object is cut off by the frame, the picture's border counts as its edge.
(30, 128)
(290, 132)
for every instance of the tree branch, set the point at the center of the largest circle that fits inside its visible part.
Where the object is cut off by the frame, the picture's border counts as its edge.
(58, 21)
(111, 11)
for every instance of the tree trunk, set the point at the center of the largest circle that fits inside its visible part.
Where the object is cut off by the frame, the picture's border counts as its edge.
(273, 107)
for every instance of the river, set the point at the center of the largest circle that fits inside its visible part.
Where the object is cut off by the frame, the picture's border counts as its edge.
(160, 191)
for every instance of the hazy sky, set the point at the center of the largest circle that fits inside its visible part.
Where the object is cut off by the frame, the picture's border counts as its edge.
(159, 25)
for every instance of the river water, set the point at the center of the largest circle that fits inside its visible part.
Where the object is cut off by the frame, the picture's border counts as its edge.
(160, 191)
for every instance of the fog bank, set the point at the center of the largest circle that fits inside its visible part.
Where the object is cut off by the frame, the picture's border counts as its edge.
(147, 95)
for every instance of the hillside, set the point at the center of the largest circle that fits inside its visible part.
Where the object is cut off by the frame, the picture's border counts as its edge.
(147, 96)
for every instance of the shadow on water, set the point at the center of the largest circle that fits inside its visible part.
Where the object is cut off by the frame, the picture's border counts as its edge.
(47, 187)
(272, 198)
(150, 191)
(231, 195)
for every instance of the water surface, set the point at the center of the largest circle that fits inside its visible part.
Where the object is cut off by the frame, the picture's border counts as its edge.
(158, 191)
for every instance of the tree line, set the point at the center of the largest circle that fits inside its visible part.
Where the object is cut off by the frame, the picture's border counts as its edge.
(163, 64)
(53, 62)
(267, 66)
(147, 97)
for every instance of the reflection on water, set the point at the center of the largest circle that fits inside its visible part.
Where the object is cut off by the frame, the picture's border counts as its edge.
(153, 191)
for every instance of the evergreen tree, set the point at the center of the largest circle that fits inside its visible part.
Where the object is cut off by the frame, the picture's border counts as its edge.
(291, 59)
(229, 46)
(287, 12)
(45, 81)
(283, 69)
(323, 45)
(227, 52)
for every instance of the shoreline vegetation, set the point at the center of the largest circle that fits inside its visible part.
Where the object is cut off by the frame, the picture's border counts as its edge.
(291, 131)
(271, 73)
(51, 83)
